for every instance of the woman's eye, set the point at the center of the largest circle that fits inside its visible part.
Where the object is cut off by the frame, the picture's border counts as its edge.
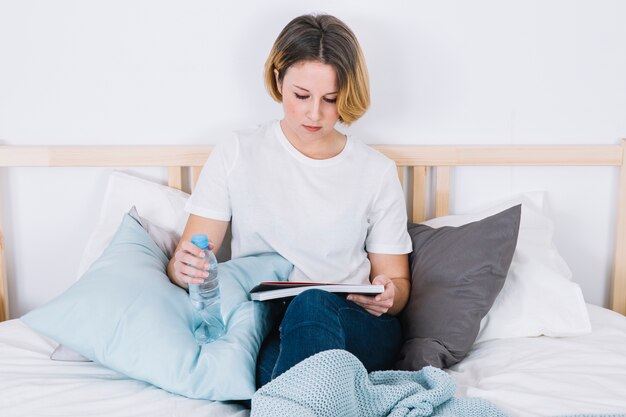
(327, 100)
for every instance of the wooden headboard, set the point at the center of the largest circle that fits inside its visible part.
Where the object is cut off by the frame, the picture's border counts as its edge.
(416, 163)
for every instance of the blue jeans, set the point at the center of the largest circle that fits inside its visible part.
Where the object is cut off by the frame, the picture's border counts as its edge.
(317, 320)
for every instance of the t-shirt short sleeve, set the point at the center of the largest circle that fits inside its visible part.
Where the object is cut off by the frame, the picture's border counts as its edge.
(210, 197)
(387, 230)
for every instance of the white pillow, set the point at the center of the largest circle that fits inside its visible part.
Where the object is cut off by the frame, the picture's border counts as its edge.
(164, 239)
(160, 205)
(538, 297)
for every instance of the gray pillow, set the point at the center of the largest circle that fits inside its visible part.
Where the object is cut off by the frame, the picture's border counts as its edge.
(456, 274)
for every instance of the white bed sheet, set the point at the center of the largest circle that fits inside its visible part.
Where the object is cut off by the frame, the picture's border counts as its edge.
(32, 385)
(524, 377)
(544, 376)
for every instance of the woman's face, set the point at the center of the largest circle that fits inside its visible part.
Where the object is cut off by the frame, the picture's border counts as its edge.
(309, 91)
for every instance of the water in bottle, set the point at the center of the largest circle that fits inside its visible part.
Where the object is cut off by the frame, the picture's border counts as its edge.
(205, 297)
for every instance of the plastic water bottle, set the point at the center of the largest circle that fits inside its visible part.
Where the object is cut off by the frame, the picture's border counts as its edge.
(205, 297)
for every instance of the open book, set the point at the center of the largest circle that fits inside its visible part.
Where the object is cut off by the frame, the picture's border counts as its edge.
(272, 290)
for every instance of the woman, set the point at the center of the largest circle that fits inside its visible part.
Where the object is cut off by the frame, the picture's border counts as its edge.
(326, 202)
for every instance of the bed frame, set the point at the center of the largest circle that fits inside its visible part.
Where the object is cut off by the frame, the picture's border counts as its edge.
(415, 163)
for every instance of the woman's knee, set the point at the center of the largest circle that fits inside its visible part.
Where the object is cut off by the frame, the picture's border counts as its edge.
(318, 306)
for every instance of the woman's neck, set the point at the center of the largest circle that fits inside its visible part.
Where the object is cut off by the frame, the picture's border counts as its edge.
(325, 147)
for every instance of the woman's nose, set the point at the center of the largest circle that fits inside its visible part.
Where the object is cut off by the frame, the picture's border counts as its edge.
(314, 111)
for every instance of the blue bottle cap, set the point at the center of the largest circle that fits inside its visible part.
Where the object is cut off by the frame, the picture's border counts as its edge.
(200, 240)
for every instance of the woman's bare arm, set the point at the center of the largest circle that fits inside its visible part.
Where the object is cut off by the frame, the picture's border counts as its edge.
(392, 271)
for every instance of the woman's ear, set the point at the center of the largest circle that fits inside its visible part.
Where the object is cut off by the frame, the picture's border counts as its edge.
(279, 83)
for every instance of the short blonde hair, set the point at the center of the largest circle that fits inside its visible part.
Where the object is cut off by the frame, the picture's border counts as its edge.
(325, 39)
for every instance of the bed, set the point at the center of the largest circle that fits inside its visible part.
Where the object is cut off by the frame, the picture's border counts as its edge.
(540, 375)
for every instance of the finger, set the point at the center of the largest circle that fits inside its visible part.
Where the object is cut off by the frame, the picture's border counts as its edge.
(385, 296)
(381, 299)
(189, 280)
(193, 249)
(360, 299)
(193, 272)
(365, 303)
(375, 313)
(189, 259)
(377, 307)
(375, 310)
(189, 274)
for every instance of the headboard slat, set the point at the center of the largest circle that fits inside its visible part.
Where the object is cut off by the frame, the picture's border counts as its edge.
(175, 177)
(4, 293)
(442, 193)
(618, 291)
(420, 175)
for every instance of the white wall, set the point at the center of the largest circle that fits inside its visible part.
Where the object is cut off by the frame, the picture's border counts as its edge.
(188, 72)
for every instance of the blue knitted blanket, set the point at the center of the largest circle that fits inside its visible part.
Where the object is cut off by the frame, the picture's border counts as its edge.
(334, 383)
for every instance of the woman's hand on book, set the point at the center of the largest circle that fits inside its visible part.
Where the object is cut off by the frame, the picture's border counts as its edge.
(378, 304)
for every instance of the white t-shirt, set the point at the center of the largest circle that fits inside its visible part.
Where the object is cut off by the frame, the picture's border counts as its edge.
(323, 216)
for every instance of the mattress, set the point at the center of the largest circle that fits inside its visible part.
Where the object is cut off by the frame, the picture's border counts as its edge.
(546, 376)
(33, 385)
(524, 377)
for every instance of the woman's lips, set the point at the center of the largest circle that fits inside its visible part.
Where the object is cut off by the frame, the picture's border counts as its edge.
(312, 128)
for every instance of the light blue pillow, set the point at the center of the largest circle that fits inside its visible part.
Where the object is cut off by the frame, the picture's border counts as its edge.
(125, 314)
